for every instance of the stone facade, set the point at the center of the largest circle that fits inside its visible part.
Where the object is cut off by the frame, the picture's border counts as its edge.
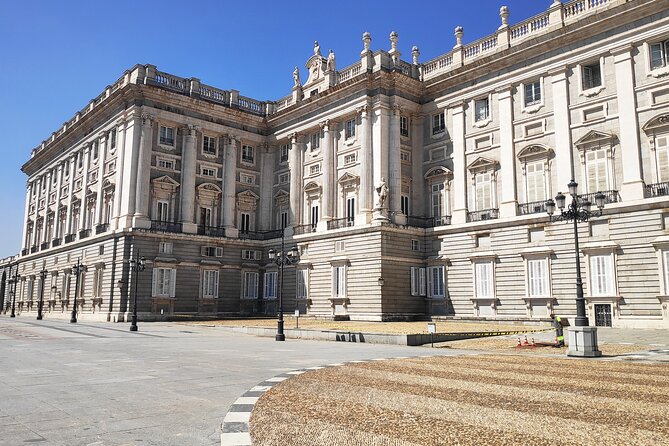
(411, 190)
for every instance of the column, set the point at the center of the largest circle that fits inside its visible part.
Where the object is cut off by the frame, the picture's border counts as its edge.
(418, 189)
(564, 156)
(59, 189)
(229, 188)
(26, 213)
(141, 217)
(630, 148)
(102, 159)
(188, 172)
(460, 183)
(395, 168)
(45, 214)
(366, 168)
(39, 180)
(380, 157)
(119, 184)
(84, 188)
(295, 168)
(327, 176)
(70, 194)
(264, 217)
(509, 202)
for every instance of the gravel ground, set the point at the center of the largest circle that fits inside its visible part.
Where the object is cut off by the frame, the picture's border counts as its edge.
(469, 400)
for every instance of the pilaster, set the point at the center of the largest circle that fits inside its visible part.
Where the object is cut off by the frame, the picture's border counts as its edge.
(131, 154)
(38, 195)
(59, 188)
(229, 187)
(84, 188)
(45, 214)
(366, 168)
(509, 202)
(395, 167)
(564, 162)
(70, 195)
(26, 213)
(266, 219)
(141, 217)
(119, 191)
(188, 172)
(327, 174)
(461, 186)
(102, 159)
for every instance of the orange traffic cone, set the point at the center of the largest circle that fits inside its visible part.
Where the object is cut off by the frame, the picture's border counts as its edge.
(526, 343)
(519, 344)
(534, 344)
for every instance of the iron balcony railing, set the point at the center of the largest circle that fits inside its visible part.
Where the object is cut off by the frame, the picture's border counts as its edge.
(535, 207)
(485, 214)
(69, 238)
(103, 227)
(84, 233)
(340, 223)
(165, 226)
(25, 251)
(657, 189)
(260, 235)
(610, 196)
(55, 242)
(44, 246)
(428, 222)
(304, 229)
(33, 249)
(212, 231)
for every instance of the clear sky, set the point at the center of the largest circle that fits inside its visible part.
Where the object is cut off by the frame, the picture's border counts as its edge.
(55, 56)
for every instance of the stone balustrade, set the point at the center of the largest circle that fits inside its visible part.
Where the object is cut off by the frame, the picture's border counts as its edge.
(349, 72)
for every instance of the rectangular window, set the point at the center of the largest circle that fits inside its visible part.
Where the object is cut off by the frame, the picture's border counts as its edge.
(314, 215)
(302, 283)
(95, 150)
(112, 140)
(209, 145)
(284, 178)
(404, 204)
(245, 223)
(349, 129)
(208, 172)
(315, 169)
(436, 283)
(283, 216)
(405, 157)
(415, 245)
(659, 55)
(483, 191)
(210, 283)
(350, 210)
(165, 164)
(662, 151)
(438, 123)
(601, 275)
(340, 246)
(97, 282)
(284, 153)
(481, 109)
(250, 285)
(591, 76)
(418, 286)
(247, 154)
(404, 126)
(166, 136)
(165, 247)
(164, 281)
(250, 254)
(339, 281)
(483, 279)
(596, 169)
(212, 251)
(163, 210)
(247, 179)
(536, 182)
(437, 200)
(351, 158)
(533, 93)
(270, 285)
(315, 141)
(537, 278)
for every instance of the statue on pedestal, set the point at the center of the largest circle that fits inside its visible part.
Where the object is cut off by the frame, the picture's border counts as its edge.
(382, 192)
(296, 77)
(331, 62)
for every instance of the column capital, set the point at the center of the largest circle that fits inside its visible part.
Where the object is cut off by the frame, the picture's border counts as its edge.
(396, 109)
(622, 53)
(121, 121)
(325, 125)
(147, 119)
(191, 129)
(294, 137)
(362, 110)
(102, 136)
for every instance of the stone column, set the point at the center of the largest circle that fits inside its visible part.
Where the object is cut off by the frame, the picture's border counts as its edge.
(327, 176)
(45, 214)
(509, 202)
(59, 188)
(70, 195)
(188, 172)
(141, 217)
(295, 168)
(564, 155)
(26, 213)
(84, 188)
(120, 188)
(417, 197)
(38, 194)
(630, 148)
(460, 183)
(366, 168)
(102, 158)
(380, 157)
(264, 219)
(229, 188)
(395, 168)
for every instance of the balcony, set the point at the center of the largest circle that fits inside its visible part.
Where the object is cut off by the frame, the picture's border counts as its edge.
(55, 242)
(212, 231)
(339, 223)
(84, 233)
(610, 196)
(33, 249)
(657, 190)
(103, 227)
(428, 222)
(69, 238)
(304, 229)
(485, 214)
(260, 235)
(535, 207)
(165, 226)
(25, 251)
(43, 246)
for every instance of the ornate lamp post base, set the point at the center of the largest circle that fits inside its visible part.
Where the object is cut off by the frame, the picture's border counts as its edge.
(583, 342)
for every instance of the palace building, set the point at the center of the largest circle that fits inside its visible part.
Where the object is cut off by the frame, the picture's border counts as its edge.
(411, 189)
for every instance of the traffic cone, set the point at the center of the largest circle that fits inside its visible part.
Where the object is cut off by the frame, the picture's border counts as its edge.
(534, 344)
(519, 344)
(526, 343)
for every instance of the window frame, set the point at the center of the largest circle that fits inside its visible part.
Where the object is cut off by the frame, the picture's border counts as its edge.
(349, 129)
(418, 281)
(404, 126)
(438, 123)
(247, 154)
(250, 278)
(206, 150)
(270, 279)
(158, 287)
(163, 140)
(206, 283)
(436, 284)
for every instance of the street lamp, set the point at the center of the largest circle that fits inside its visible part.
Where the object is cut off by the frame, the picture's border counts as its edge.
(282, 258)
(14, 281)
(77, 269)
(137, 265)
(582, 338)
(40, 304)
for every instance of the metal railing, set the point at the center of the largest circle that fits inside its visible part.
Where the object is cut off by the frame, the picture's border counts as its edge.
(103, 227)
(339, 223)
(610, 196)
(534, 207)
(485, 214)
(44, 246)
(213, 231)
(657, 189)
(165, 226)
(84, 233)
(25, 251)
(70, 238)
(55, 242)
(304, 229)
(260, 235)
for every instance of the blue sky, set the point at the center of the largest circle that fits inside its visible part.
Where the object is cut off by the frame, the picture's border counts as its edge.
(55, 56)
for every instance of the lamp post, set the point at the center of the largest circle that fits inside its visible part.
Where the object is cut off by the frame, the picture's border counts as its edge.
(14, 281)
(40, 304)
(281, 259)
(76, 269)
(582, 338)
(137, 265)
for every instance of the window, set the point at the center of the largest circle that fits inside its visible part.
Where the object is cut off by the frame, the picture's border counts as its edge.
(340, 246)
(533, 93)
(404, 204)
(95, 150)
(97, 282)
(415, 245)
(350, 210)
(418, 287)
(250, 285)
(284, 178)
(339, 281)
(208, 145)
(481, 109)
(596, 170)
(537, 278)
(247, 154)
(349, 129)
(404, 126)
(405, 157)
(164, 281)
(437, 200)
(283, 219)
(314, 215)
(483, 279)
(601, 275)
(659, 55)
(166, 136)
(483, 191)
(208, 171)
(536, 182)
(351, 158)
(662, 153)
(250, 254)
(591, 76)
(165, 248)
(436, 283)
(112, 140)
(165, 164)
(284, 153)
(163, 210)
(80, 160)
(315, 169)
(270, 285)
(665, 261)
(315, 141)
(245, 223)
(302, 283)
(66, 172)
(210, 283)
(212, 251)
(247, 179)
(205, 216)
(438, 123)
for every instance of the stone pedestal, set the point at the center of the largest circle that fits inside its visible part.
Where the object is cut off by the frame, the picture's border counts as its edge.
(189, 228)
(583, 342)
(380, 214)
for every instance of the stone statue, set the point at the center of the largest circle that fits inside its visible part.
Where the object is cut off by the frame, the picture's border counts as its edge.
(382, 192)
(317, 48)
(331, 62)
(296, 77)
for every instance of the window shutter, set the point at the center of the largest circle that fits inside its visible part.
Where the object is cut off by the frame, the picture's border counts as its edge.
(662, 159)
(154, 287)
(430, 284)
(421, 281)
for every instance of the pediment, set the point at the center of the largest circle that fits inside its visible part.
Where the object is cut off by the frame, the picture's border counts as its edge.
(482, 164)
(536, 151)
(594, 137)
(348, 178)
(439, 171)
(281, 194)
(656, 122)
(248, 194)
(209, 187)
(312, 186)
(165, 182)
(107, 184)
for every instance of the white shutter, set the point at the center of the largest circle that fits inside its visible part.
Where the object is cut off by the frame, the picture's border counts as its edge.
(430, 284)
(172, 281)
(215, 283)
(483, 271)
(414, 280)
(602, 275)
(342, 281)
(421, 281)
(665, 255)
(662, 148)
(154, 284)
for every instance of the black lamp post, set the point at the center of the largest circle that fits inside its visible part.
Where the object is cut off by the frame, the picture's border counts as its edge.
(282, 258)
(137, 265)
(77, 269)
(40, 303)
(14, 282)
